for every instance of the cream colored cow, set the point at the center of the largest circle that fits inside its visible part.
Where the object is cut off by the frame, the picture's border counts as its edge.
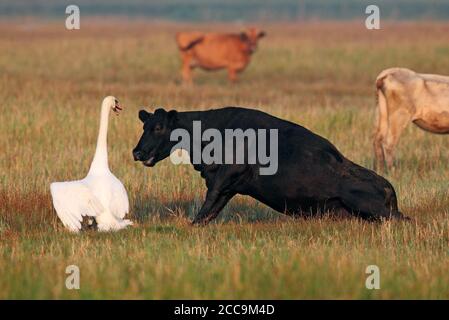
(405, 96)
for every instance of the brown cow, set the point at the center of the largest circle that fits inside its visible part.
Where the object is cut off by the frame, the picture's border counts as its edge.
(213, 51)
(405, 96)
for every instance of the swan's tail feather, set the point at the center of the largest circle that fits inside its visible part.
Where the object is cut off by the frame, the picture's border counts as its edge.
(112, 224)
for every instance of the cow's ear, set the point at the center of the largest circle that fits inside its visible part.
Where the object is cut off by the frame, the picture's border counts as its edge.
(159, 112)
(143, 115)
(172, 117)
(261, 34)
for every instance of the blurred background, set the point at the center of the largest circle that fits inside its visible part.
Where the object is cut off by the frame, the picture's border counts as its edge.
(231, 10)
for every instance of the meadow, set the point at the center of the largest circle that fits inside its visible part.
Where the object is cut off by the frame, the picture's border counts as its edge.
(320, 75)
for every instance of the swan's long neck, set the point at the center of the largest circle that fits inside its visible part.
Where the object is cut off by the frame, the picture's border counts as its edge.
(100, 161)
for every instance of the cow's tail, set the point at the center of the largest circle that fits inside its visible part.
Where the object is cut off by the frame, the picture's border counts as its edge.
(191, 44)
(381, 128)
(382, 119)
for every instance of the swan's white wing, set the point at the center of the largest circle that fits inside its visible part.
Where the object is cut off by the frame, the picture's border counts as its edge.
(73, 200)
(119, 203)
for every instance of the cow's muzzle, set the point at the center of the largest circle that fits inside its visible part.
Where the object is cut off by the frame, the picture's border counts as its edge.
(138, 155)
(150, 162)
(147, 161)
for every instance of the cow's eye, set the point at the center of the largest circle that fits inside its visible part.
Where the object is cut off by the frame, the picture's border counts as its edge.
(157, 128)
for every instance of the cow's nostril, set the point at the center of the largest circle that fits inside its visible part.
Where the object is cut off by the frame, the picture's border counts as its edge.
(137, 155)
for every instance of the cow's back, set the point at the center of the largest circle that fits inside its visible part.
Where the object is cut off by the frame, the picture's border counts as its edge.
(293, 140)
(396, 79)
(216, 50)
(186, 40)
(402, 88)
(419, 93)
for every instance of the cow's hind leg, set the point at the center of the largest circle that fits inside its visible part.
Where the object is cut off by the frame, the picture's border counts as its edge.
(379, 163)
(398, 121)
(379, 137)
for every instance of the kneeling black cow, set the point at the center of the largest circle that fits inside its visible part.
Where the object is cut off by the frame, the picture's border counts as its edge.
(312, 175)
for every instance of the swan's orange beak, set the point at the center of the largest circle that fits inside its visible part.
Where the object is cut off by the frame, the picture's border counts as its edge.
(117, 108)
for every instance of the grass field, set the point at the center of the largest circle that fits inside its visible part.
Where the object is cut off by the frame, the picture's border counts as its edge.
(52, 82)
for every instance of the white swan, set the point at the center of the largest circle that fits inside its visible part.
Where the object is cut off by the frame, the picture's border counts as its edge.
(100, 194)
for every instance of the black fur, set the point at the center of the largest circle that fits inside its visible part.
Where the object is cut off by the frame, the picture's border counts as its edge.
(312, 177)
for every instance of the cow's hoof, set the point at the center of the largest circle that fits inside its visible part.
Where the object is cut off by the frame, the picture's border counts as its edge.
(401, 216)
(199, 222)
(196, 223)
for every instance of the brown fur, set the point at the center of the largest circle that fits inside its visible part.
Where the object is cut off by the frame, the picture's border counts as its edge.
(213, 51)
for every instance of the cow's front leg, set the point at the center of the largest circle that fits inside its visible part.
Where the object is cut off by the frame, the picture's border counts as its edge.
(186, 70)
(232, 75)
(221, 187)
(215, 201)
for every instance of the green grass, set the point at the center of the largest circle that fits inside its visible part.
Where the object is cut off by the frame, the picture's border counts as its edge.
(52, 82)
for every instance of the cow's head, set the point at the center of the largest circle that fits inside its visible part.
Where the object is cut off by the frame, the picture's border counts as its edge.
(155, 144)
(251, 36)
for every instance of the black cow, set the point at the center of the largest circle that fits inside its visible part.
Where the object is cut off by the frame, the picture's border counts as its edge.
(312, 176)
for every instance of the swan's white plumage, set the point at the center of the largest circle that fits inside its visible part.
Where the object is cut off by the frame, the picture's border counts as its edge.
(73, 200)
(100, 194)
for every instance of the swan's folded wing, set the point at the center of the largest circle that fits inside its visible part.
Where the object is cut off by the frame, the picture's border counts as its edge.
(73, 200)
(119, 202)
